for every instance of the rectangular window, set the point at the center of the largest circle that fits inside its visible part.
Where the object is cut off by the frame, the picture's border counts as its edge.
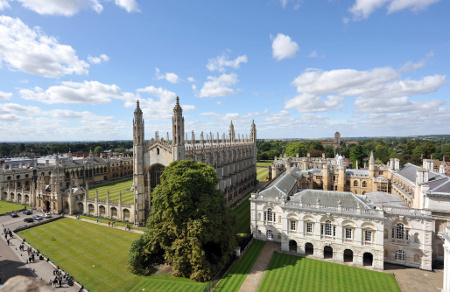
(367, 235)
(393, 233)
(293, 225)
(348, 233)
(407, 234)
(265, 215)
(334, 230)
(309, 227)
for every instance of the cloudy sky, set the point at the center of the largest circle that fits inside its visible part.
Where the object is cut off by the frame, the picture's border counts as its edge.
(73, 69)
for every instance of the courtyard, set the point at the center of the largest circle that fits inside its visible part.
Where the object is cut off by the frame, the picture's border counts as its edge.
(114, 189)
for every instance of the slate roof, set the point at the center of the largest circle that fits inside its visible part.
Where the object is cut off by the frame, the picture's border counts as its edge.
(330, 198)
(282, 185)
(439, 184)
(385, 199)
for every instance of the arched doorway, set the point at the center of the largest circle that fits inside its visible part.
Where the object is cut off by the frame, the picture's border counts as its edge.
(27, 199)
(102, 211)
(309, 248)
(47, 206)
(367, 259)
(91, 209)
(269, 235)
(80, 207)
(155, 175)
(113, 212)
(292, 246)
(126, 214)
(327, 252)
(348, 256)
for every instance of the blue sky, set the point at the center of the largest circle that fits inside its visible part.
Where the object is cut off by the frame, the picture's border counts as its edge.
(73, 69)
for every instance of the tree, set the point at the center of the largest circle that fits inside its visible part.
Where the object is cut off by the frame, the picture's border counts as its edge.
(98, 150)
(357, 154)
(296, 147)
(189, 227)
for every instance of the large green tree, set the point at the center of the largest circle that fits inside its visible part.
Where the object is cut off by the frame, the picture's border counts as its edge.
(189, 228)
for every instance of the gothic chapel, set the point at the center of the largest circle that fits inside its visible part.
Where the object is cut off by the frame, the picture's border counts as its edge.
(233, 158)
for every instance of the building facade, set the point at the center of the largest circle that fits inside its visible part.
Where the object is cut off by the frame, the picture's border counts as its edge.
(366, 230)
(60, 184)
(234, 159)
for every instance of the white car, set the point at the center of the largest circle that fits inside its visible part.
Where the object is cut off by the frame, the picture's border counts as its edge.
(47, 215)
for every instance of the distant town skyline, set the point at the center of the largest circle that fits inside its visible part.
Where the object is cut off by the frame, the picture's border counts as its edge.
(73, 70)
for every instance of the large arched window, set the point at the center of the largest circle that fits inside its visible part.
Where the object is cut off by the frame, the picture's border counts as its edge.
(364, 184)
(328, 229)
(269, 215)
(355, 183)
(400, 231)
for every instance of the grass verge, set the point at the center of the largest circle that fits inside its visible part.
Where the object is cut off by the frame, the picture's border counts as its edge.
(97, 257)
(242, 217)
(7, 207)
(233, 279)
(293, 273)
(114, 189)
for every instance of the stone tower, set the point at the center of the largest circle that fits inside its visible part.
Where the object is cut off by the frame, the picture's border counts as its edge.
(337, 140)
(232, 133)
(138, 165)
(178, 148)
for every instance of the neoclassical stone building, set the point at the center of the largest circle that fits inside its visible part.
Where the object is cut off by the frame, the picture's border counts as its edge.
(233, 158)
(366, 230)
(60, 184)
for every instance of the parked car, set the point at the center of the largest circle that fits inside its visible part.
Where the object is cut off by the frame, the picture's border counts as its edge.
(47, 215)
(37, 217)
(27, 212)
(28, 219)
(14, 214)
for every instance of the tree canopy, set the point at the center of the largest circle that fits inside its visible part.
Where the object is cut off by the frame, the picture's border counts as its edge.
(189, 228)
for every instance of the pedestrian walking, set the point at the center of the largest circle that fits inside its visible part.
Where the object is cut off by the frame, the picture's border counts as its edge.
(97, 220)
(7, 241)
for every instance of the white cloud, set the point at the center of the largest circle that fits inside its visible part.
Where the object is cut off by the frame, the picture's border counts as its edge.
(410, 66)
(4, 4)
(61, 7)
(11, 108)
(161, 107)
(313, 54)
(31, 51)
(5, 95)
(380, 90)
(99, 59)
(363, 8)
(72, 115)
(218, 86)
(171, 77)
(128, 5)
(88, 92)
(191, 79)
(283, 47)
(219, 63)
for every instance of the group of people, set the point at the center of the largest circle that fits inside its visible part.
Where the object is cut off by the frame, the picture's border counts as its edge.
(60, 278)
(7, 232)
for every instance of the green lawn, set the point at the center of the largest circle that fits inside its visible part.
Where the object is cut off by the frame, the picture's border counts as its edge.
(292, 273)
(6, 207)
(262, 169)
(114, 189)
(97, 257)
(264, 163)
(242, 217)
(236, 275)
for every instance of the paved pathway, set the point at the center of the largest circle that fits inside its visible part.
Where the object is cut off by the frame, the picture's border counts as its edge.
(106, 224)
(256, 274)
(416, 280)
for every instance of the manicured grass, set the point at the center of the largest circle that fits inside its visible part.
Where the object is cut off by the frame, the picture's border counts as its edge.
(97, 257)
(114, 189)
(242, 217)
(7, 207)
(264, 163)
(292, 273)
(262, 173)
(262, 169)
(236, 275)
